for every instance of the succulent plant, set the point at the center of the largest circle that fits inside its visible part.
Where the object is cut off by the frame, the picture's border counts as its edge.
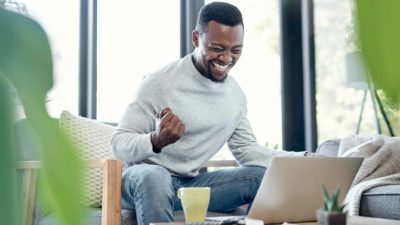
(331, 203)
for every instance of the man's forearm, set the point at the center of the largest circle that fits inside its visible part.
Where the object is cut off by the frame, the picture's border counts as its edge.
(132, 147)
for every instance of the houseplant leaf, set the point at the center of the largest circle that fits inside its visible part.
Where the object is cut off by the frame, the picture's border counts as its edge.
(379, 35)
(8, 190)
(25, 59)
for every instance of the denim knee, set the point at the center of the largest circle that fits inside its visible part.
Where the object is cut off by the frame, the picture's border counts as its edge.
(151, 181)
(148, 176)
(255, 172)
(148, 189)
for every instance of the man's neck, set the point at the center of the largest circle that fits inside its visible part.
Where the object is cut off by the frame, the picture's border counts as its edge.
(196, 65)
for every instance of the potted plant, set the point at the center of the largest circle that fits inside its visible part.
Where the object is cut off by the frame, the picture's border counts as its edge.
(331, 213)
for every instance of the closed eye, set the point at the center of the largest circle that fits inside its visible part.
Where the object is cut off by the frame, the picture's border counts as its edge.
(218, 49)
(237, 51)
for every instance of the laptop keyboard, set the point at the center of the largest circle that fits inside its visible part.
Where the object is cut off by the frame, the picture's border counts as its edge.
(233, 221)
(205, 223)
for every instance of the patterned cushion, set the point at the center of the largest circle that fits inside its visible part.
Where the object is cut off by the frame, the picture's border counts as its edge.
(92, 139)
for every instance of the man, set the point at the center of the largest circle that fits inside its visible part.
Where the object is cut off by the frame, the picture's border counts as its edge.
(182, 115)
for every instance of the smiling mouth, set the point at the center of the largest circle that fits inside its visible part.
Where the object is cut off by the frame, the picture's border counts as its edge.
(221, 67)
(220, 71)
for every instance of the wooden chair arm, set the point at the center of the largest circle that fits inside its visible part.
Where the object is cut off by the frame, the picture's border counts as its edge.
(111, 207)
(112, 178)
(28, 189)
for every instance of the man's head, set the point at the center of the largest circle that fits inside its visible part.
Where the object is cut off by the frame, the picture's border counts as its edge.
(218, 39)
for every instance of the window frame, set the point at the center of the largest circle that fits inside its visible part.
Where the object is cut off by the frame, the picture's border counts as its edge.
(298, 66)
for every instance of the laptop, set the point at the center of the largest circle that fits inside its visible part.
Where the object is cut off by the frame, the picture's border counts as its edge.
(291, 189)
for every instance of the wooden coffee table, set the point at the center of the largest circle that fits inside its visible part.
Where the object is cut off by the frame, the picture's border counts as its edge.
(352, 220)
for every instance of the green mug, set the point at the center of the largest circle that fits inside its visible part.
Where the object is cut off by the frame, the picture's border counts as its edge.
(194, 203)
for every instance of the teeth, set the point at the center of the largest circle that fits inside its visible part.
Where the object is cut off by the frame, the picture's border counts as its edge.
(220, 67)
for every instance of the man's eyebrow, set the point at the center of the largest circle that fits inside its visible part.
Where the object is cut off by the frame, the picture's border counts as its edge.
(238, 46)
(216, 44)
(223, 46)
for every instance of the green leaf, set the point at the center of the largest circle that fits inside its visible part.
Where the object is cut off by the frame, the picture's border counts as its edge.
(379, 34)
(341, 209)
(8, 190)
(326, 195)
(331, 203)
(62, 171)
(25, 59)
(335, 195)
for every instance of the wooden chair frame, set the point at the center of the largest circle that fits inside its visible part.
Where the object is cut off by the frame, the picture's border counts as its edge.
(111, 207)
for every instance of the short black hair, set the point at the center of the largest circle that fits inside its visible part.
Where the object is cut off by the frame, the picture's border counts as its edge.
(220, 12)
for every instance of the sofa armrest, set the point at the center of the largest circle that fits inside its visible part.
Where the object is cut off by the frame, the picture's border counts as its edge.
(329, 147)
(111, 207)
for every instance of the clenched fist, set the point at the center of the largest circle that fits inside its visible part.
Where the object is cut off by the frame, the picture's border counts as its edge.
(168, 130)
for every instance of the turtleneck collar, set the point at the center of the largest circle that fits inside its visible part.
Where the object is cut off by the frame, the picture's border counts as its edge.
(200, 77)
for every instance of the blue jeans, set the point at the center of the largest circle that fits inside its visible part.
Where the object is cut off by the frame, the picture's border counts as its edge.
(150, 190)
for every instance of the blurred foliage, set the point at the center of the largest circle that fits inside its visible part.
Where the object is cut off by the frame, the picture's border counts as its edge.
(379, 35)
(8, 195)
(339, 104)
(336, 113)
(26, 62)
(392, 111)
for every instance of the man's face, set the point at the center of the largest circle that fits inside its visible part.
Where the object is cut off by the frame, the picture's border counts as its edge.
(217, 50)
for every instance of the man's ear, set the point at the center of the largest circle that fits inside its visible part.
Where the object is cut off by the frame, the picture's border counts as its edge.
(195, 38)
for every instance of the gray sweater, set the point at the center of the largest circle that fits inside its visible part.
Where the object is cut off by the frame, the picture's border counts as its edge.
(213, 114)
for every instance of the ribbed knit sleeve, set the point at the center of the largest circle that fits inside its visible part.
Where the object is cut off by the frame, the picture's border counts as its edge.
(131, 140)
(247, 151)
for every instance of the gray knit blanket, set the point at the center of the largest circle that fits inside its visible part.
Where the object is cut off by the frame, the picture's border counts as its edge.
(381, 165)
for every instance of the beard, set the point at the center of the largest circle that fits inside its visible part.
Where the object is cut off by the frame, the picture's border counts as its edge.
(210, 76)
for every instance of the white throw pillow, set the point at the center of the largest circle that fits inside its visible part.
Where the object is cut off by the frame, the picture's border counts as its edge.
(92, 140)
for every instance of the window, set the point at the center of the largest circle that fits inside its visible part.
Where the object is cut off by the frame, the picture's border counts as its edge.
(136, 39)
(133, 40)
(339, 100)
(258, 71)
(60, 20)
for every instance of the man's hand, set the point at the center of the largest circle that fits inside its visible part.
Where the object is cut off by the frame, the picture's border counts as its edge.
(169, 129)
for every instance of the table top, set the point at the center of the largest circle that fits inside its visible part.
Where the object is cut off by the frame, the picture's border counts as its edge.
(352, 220)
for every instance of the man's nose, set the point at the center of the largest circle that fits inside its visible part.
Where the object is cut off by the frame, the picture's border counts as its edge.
(226, 57)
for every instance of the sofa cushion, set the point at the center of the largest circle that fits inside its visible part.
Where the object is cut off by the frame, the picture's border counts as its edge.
(92, 139)
(382, 202)
(329, 147)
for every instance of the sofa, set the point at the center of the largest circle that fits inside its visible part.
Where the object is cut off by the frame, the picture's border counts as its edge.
(94, 141)
(381, 202)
